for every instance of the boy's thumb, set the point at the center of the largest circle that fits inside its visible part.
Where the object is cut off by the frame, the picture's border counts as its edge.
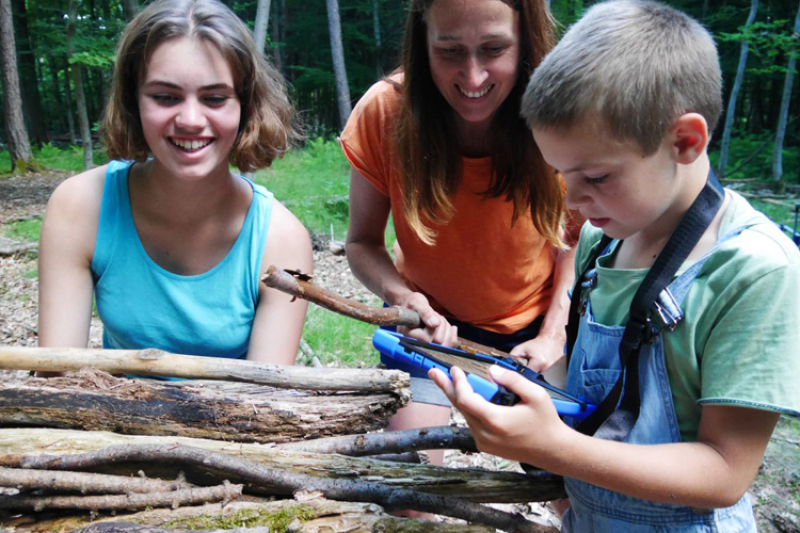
(501, 376)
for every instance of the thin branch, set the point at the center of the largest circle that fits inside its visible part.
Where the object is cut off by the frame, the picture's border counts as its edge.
(408, 440)
(286, 483)
(85, 483)
(131, 501)
(128, 527)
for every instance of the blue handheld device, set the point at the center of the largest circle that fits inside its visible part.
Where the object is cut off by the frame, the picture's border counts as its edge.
(417, 358)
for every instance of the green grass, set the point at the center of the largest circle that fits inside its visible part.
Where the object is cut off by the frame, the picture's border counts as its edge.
(27, 230)
(338, 339)
(313, 182)
(52, 157)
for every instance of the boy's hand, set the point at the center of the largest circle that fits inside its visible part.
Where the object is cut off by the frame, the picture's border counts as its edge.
(437, 329)
(528, 432)
(540, 352)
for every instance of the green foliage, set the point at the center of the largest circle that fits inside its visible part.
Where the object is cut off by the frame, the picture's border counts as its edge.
(27, 230)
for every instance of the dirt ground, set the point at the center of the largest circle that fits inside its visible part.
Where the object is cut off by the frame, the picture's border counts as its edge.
(775, 491)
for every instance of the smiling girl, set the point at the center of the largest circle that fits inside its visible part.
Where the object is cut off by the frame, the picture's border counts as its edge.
(169, 241)
(478, 214)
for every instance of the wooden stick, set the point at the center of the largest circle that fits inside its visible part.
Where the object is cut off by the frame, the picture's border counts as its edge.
(388, 316)
(127, 527)
(118, 502)
(85, 482)
(152, 362)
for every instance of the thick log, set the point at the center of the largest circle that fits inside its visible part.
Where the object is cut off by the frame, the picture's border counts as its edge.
(470, 484)
(158, 363)
(314, 516)
(244, 412)
(127, 527)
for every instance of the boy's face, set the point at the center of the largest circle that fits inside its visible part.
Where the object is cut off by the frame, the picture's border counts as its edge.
(612, 183)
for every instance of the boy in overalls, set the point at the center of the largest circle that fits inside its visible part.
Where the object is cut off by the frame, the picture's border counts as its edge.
(685, 327)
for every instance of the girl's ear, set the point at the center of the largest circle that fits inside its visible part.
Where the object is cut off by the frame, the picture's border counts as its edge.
(689, 137)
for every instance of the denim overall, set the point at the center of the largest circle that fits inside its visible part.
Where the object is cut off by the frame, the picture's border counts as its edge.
(593, 371)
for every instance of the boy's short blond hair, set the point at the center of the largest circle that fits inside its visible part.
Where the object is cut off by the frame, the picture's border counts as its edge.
(632, 66)
(266, 127)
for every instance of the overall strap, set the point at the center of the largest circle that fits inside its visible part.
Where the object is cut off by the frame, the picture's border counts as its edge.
(639, 328)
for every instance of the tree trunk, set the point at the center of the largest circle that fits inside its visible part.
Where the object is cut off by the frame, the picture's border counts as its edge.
(376, 24)
(93, 400)
(130, 8)
(783, 118)
(730, 115)
(51, 60)
(77, 82)
(73, 137)
(261, 25)
(316, 516)
(339, 70)
(19, 146)
(276, 23)
(472, 485)
(29, 84)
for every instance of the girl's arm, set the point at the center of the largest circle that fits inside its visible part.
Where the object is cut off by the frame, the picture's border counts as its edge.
(715, 471)
(548, 346)
(66, 247)
(278, 324)
(372, 265)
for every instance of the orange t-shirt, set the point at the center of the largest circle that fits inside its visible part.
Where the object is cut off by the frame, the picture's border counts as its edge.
(481, 269)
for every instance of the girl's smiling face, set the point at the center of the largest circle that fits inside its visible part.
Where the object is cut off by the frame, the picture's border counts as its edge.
(189, 108)
(473, 47)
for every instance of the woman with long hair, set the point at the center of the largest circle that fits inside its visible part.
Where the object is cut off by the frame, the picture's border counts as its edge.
(482, 249)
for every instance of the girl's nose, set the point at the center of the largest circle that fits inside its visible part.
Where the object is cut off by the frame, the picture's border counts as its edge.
(190, 115)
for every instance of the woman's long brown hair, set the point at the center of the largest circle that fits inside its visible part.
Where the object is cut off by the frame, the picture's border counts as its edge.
(430, 165)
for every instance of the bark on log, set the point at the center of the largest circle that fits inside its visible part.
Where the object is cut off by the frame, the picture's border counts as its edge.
(158, 363)
(316, 516)
(283, 483)
(469, 484)
(244, 412)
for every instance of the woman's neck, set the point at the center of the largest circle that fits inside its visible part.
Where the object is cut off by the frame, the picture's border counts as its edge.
(474, 139)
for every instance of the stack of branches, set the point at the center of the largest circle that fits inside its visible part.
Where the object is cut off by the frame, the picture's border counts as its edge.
(249, 447)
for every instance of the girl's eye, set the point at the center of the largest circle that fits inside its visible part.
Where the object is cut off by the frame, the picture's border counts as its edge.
(165, 99)
(216, 100)
(596, 181)
(449, 52)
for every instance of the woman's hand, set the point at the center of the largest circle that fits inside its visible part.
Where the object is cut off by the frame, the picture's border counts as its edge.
(541, 352)
(437, 329)
(529, 432)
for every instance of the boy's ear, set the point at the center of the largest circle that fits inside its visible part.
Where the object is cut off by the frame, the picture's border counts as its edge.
(689, 137)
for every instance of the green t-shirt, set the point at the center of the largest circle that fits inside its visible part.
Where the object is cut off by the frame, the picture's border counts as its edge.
(739, 343)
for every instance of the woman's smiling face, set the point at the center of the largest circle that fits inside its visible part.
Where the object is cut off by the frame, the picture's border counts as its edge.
(473, 46)
(189, 108)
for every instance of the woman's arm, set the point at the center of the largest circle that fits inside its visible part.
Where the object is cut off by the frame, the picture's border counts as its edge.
(372, 265)
(66, 247)
(548, 346)
(278, 324)
(715, 471)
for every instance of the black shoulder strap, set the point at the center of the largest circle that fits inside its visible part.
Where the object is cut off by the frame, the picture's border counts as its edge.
(638, 328)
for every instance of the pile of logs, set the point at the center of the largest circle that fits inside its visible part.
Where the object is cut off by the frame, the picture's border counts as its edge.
(237, 446)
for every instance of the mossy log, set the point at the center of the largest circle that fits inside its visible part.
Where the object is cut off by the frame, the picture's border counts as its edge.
(245, 412)
(312, 516)
(468, 484)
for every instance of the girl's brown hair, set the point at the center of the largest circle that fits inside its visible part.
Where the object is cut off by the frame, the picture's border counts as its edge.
(430, 168)
(266, 128)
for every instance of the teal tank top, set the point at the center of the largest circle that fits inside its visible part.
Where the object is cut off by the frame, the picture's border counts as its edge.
(145, 306)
